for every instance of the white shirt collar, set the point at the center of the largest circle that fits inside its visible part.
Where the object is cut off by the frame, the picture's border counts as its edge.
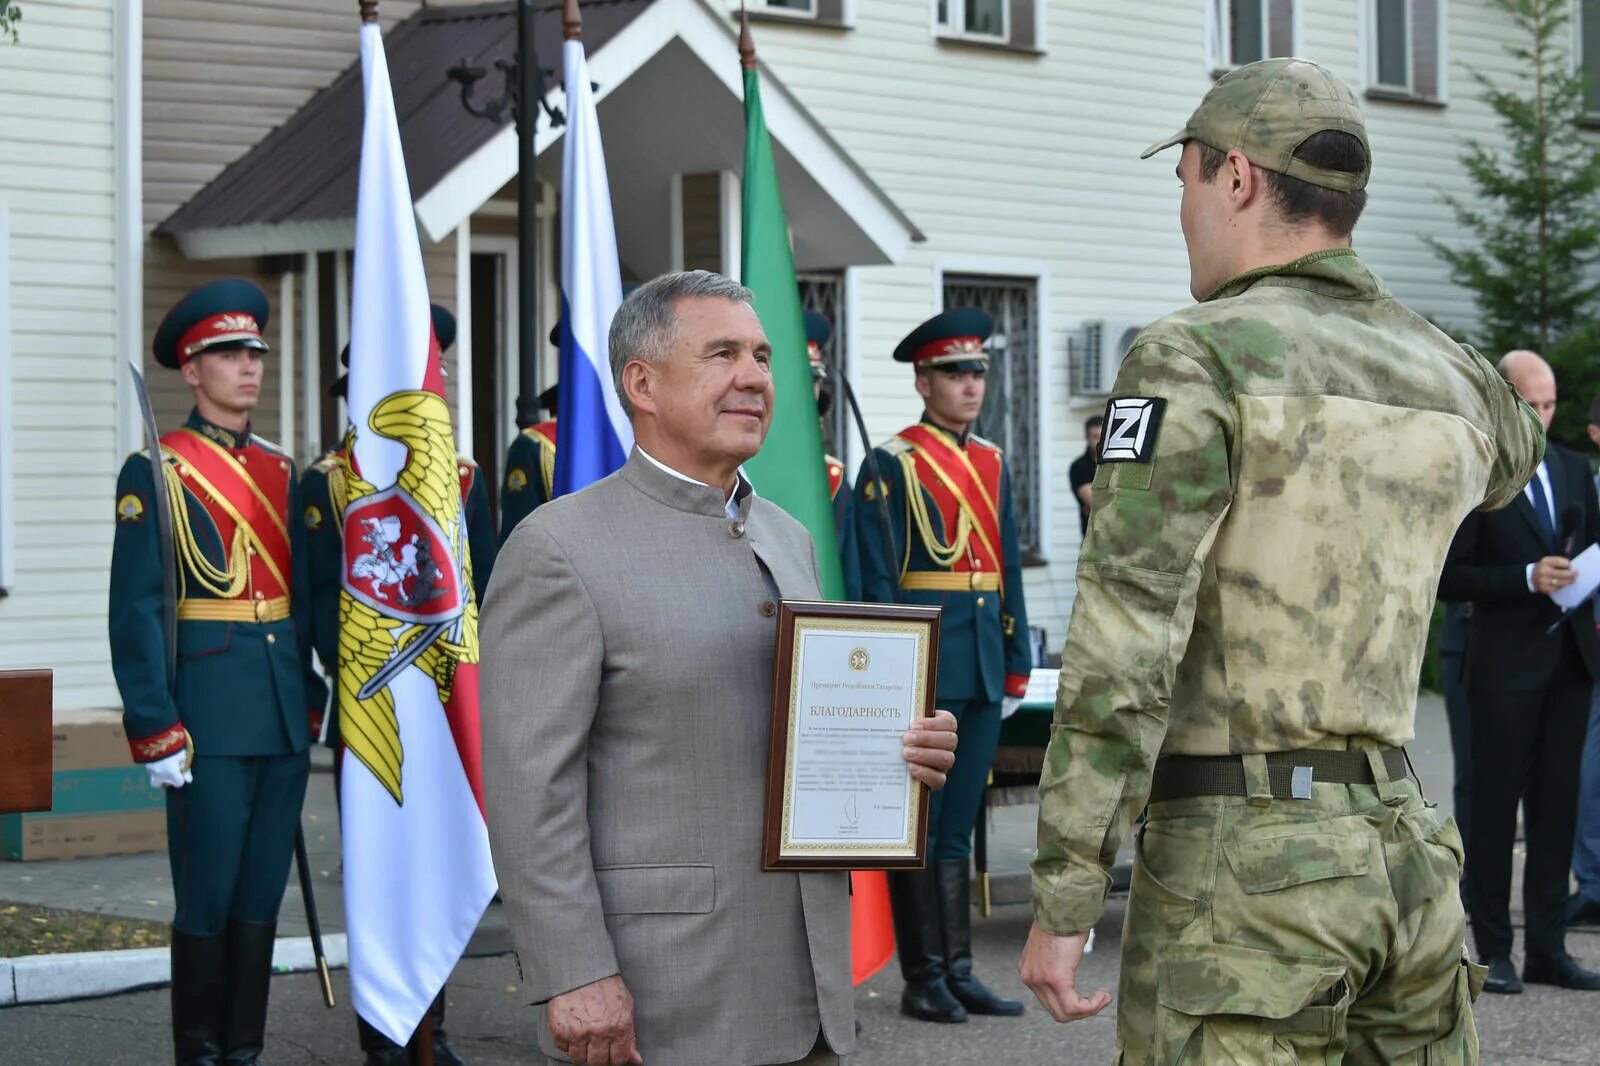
(1543, 474)
(732, 504)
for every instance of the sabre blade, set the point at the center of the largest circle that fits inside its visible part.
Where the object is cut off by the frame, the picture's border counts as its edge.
(401, 659)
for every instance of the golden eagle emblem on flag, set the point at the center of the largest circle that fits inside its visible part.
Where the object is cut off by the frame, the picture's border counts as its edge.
(407, 598)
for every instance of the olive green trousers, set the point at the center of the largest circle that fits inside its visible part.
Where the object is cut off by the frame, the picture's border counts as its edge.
(1320, 930)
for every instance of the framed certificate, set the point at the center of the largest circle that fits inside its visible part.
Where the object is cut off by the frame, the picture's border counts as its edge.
(848, 681)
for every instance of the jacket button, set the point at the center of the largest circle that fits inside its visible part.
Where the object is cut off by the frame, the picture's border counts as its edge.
(768, 608)
(243, 459)
(980, 601)
(263, 595)
(272, 638)
(735, 530)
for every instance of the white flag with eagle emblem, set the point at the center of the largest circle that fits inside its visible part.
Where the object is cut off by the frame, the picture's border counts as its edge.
(417, 870)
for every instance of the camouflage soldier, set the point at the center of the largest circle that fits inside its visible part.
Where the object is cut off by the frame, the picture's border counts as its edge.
(1282, 470)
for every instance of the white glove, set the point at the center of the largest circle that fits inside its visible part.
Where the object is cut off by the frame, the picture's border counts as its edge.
(1008, 706)
(169, 772)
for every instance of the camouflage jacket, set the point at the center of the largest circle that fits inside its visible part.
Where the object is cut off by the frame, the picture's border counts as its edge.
(1282, 469)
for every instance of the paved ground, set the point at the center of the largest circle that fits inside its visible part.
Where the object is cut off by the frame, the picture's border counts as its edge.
(490, 1026)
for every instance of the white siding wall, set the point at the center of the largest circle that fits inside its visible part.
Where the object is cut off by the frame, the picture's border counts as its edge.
(1036, 158)
(57, 153)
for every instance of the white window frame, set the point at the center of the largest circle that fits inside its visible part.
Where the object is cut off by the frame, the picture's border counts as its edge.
(766, 8)
(1219, 16)
(955, 28)
(1039, 271)
(505, 406)
(843, 13)
(1576, 22)
(8, 510)
(1369, 55)
(1375, 52)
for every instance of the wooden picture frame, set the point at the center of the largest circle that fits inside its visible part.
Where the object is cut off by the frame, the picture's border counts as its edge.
(847, 680)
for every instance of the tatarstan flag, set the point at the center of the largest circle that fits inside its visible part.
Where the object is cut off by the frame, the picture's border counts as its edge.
(789, 470)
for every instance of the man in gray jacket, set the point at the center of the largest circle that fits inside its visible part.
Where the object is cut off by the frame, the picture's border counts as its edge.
(628, 639)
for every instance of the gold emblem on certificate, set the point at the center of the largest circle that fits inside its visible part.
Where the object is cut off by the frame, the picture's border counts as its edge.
(849, 680)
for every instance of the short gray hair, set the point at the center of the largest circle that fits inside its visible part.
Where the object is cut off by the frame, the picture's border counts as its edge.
(645, 327)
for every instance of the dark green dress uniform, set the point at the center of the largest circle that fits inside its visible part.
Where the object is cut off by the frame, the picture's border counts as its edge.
(530, 474)
(818, 330)
(952, 544)
(243, 693)
(844, 527)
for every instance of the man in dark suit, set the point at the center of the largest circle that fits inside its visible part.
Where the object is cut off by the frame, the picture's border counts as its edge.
(1081, 473)
(1453, 676)
(1528, 689)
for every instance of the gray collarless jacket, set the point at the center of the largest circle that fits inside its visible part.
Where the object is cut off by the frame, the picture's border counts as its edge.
(627, 639)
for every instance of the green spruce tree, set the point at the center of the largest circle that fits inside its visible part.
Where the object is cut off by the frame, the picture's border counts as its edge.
(1534, 220)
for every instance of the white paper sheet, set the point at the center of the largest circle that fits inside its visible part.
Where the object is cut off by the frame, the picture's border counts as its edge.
(1587, 564)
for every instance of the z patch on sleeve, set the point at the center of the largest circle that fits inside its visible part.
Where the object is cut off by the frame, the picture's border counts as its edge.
(1132, 423)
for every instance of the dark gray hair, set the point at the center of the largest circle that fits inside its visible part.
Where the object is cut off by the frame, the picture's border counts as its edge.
(645, 327)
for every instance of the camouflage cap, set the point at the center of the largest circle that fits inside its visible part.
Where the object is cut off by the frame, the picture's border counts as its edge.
(1266, 110)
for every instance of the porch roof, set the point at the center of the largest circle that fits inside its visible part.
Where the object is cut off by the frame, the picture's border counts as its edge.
(669, 97)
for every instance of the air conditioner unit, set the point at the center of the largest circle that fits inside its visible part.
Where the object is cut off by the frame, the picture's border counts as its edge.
(1096, 352)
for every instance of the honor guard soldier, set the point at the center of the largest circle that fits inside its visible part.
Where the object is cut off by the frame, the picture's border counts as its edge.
(227, 734)
(818, 330)
(950, 542)
(530, 464)
(1282, 469)
(325, 496)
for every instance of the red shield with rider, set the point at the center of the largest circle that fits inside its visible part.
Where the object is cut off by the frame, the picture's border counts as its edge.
(398, 560)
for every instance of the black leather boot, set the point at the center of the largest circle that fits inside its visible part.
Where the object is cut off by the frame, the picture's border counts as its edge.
(379, 1049)
(443, 1055)
(914, 900)
(199, 997)
(955, 913)
(249, 980)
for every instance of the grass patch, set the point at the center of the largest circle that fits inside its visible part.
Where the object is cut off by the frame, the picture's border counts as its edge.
(29, 930)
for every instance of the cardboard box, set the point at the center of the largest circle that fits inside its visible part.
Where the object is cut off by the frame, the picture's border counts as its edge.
(101, 802)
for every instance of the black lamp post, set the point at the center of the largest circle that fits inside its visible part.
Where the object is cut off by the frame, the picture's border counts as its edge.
(523, 95)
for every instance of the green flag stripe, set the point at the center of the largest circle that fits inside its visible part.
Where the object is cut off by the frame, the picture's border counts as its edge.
(789, 469)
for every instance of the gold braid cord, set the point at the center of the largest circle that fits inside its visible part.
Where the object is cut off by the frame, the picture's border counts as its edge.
(223, 582)
(547, 466)
(368, 639)
(942, 554)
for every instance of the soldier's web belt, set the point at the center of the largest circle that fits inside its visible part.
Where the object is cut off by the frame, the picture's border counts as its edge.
(1289, 773)
(202, 610)
(951, 580)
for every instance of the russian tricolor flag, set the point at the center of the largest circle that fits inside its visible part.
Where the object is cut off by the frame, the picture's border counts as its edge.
(595, 435)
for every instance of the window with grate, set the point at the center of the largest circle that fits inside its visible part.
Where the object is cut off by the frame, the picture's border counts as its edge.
(824, 293)
(1010, 415)
(1405, 48)
(1244, 31)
